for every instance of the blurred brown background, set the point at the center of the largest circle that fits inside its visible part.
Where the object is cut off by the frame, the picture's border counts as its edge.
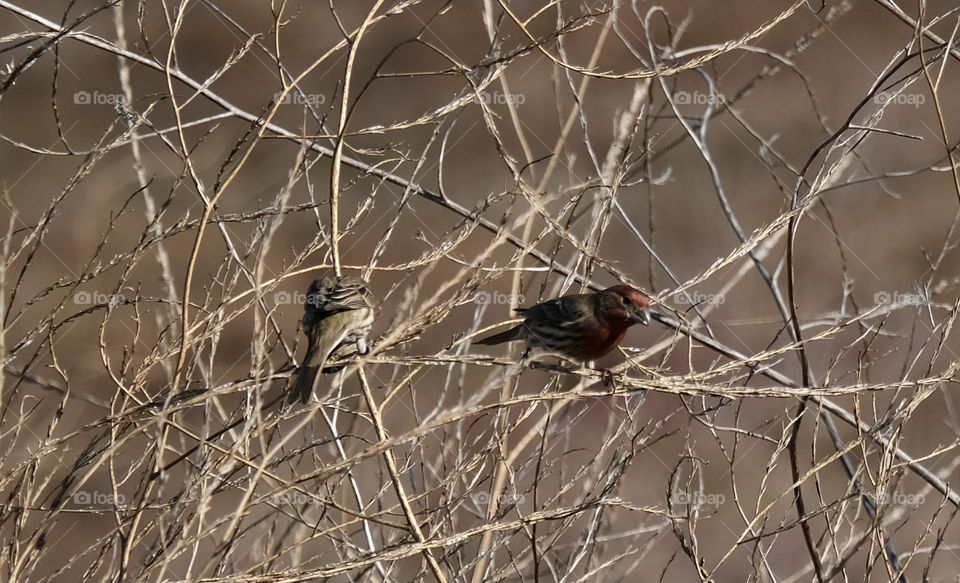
(96, 257)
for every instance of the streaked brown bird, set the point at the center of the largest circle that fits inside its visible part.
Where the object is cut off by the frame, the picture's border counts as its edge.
(337, 315)
(581, 327)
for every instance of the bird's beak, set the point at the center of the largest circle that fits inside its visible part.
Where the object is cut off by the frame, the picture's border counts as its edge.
(641, 317)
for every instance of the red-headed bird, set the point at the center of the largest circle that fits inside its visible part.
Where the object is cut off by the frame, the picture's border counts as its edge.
(338, 314)
(581, 327)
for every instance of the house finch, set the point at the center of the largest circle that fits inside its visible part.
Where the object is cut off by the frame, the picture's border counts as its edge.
(580, 327)
(338, 313)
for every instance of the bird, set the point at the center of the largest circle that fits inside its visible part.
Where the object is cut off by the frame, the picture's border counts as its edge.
(338, 314)
(579, 327)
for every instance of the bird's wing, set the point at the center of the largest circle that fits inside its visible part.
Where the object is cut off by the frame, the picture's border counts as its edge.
(326, 336)
(564, 312)
(332, 296)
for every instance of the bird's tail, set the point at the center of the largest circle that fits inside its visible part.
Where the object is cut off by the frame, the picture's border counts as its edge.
(303, 387)
(514, 333)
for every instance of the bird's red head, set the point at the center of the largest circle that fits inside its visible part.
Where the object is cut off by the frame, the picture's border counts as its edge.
(624, 303)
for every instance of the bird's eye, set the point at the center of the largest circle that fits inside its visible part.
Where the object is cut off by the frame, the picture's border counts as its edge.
(626, 301)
